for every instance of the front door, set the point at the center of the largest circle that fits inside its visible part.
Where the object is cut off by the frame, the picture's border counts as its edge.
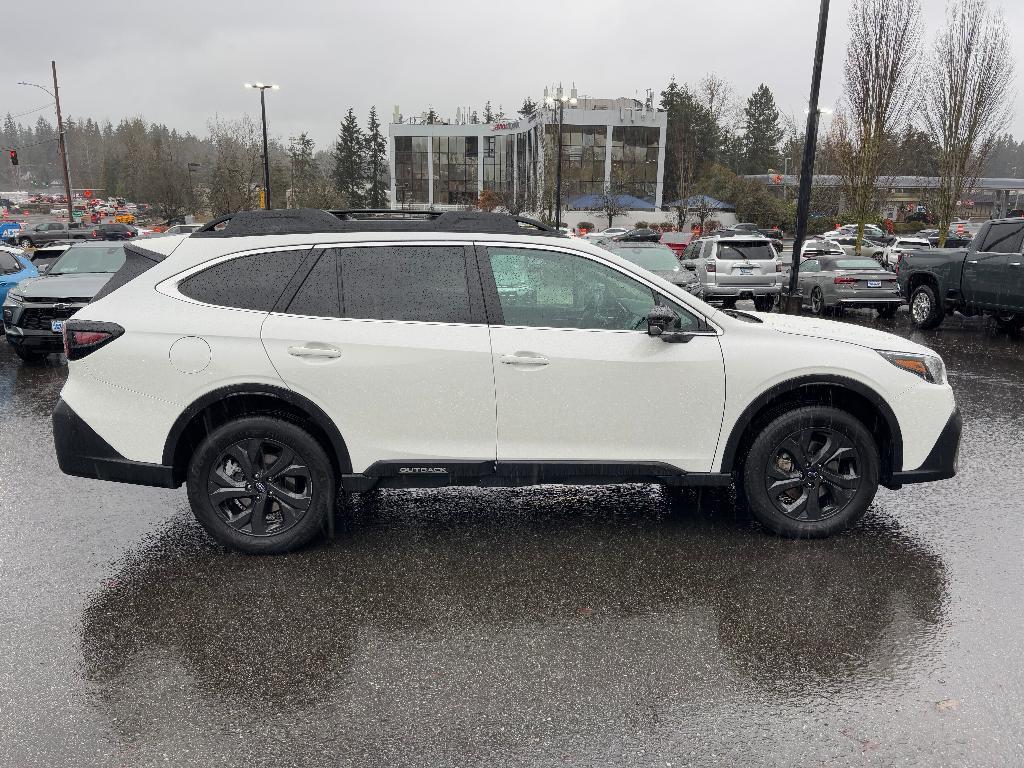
(390, 341)
(577, 377)
(988, 277)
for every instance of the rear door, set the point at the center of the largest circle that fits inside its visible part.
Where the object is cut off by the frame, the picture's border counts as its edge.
(391, 341)
(988, 277)
(578, 378)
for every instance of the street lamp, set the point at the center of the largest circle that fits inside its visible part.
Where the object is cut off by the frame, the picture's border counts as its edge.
(263, 88)
(561, 99)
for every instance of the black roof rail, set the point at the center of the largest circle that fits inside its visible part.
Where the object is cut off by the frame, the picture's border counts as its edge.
(302, 221)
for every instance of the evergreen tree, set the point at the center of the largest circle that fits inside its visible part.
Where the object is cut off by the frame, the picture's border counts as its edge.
(432, 116)
(691, 144)
(488, 112)
(762, 133)
(528, 108)
(349, 174)
(474, 118)
(376, 163)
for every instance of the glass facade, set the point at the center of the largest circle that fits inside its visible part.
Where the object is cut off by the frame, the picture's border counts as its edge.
(456, 172)
(583, 156)
(635, 160)
(411, 180)
(498, 162)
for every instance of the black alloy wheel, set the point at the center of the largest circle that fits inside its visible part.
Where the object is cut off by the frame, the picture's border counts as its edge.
(813, 474)
(817, 302)
(260, 487)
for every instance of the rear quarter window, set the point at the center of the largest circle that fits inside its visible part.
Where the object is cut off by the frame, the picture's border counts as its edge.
(255, 281)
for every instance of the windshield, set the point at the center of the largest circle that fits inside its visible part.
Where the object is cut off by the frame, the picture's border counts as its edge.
(756, 250)
(659, 258)
(856, 264)
(89, 259)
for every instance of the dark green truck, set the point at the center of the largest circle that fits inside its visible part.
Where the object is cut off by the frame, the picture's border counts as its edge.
(987, 277)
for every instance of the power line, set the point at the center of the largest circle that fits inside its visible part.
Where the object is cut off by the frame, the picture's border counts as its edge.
(33, 144)
(30, 111)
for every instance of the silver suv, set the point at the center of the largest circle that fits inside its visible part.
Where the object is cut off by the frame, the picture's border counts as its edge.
(734, 267)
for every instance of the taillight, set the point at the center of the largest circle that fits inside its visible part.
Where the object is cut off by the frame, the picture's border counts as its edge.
(778, 267)
(710, 266)
(83, 337)
(95, 233)
(844, 280)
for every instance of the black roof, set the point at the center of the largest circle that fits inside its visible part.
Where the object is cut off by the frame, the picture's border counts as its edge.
(300, 221)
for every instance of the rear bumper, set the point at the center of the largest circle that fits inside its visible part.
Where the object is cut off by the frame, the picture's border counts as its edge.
(740, 291)
(941, 462)
(882, 301)
(83, 453)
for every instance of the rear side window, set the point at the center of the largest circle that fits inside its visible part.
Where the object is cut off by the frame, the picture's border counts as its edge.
(425, 283)
(247, 282)
(1004, 238)
(319, 295)
(9, 264)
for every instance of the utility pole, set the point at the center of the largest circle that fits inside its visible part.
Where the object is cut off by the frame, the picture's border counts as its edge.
(62, 147)
(791, 299)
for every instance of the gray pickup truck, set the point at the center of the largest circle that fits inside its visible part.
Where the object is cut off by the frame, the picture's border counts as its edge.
(987, 277)
(49, 231)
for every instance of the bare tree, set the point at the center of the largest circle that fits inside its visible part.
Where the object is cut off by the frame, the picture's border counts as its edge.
(881, 64)
(611, 203)
(966, 101)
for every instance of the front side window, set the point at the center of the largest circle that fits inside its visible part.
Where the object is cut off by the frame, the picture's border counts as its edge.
(422, 283)
(9, 264)
(553, 289)
(319, 296)
(255, 281)
(811, 265)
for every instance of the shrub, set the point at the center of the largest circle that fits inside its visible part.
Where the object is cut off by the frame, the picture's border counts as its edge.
(642, 225)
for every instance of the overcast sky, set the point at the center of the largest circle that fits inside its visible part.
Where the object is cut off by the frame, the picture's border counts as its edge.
(181, 63)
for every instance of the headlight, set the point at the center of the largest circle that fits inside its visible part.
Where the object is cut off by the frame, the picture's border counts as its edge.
(13, 299)
(928, 367)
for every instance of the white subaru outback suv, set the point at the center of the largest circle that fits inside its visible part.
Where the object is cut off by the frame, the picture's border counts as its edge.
(276, 362)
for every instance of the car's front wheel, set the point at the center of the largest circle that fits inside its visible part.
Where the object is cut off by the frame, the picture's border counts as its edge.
(925, 310)
(811, 472)
(261, 485)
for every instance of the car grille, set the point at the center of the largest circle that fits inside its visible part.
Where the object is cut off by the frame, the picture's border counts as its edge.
(39, 319)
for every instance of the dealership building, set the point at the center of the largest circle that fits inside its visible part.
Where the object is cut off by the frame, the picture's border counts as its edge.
(446, 165)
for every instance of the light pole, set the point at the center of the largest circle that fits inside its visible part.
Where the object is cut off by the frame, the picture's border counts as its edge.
(263, 88)
(191, 186)
(62, 146)
(561, 99)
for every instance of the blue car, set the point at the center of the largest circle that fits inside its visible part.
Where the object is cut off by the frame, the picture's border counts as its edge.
(14, 267)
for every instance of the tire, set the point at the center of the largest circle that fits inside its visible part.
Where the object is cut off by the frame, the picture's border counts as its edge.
(25, 242)
(1008, 321)
(826, 494)
(818, 303)
(925, 311)
(888, 313)
(29, 355)
(764, 303)
(238, 459)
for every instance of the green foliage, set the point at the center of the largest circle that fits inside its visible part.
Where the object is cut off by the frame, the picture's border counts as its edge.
(752, 200)
(349, 174)
(528, 108)
(692, 139)
(762, 133)
(376, 149)
(310, 187)
(488, 112)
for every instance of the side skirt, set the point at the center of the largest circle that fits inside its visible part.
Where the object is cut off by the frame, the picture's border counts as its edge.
(510, 474)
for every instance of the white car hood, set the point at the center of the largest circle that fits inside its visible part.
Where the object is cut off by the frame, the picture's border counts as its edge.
(844, 332)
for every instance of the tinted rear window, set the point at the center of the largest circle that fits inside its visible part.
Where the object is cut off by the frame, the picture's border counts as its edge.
(407, 282)
(737, 249)
(246, 282)
(855, 264)
(319, 295)
(1004, 238)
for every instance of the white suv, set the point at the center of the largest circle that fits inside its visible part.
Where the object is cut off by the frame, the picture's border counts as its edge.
(733, 267)
(277, 361)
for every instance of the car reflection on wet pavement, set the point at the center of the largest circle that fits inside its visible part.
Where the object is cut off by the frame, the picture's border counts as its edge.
(554, 626)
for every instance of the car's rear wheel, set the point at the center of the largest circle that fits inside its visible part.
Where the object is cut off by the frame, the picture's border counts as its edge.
(764, 303)
(925, 311)
(811, 472)
(1009, 321)
(818, 302)
(261, 485)
(888, 312)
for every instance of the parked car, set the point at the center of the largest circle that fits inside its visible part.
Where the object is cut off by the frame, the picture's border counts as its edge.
(659, 259)
(45, 256)
(114, 232)
(48, 231)
(871, 232)
(34, 312)
(638, 236)
(734, 267)
(891, 254)
(606, 233)
(677, 241)
(868, 248)
(182, 229)
(535, 359)
(14, 267)
(831, 282)
(986, 277)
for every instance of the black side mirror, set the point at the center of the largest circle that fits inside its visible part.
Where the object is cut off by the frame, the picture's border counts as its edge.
(660, 320)
(690, 265)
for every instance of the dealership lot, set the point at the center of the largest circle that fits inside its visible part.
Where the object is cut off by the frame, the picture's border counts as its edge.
(598, 626)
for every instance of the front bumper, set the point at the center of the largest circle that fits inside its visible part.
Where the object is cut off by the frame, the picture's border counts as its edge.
(37, 340)
(941, 462)
(83, 453)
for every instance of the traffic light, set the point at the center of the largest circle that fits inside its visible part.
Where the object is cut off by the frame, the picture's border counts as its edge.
(13, 154)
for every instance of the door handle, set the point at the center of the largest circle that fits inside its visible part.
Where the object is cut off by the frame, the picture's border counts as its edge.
(973, 262)
(329, 352)
(1014, 263)
(523, 359)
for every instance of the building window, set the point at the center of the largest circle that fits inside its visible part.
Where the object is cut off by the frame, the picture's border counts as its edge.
(583, 156)
(499, 159)
(455, 170)
(635, 160)
(411, 182)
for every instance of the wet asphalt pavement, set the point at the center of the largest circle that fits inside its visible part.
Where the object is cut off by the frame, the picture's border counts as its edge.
(547, 627)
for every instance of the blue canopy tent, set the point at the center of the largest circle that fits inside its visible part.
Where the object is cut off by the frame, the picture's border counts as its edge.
(629, 202)
(697, 201)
